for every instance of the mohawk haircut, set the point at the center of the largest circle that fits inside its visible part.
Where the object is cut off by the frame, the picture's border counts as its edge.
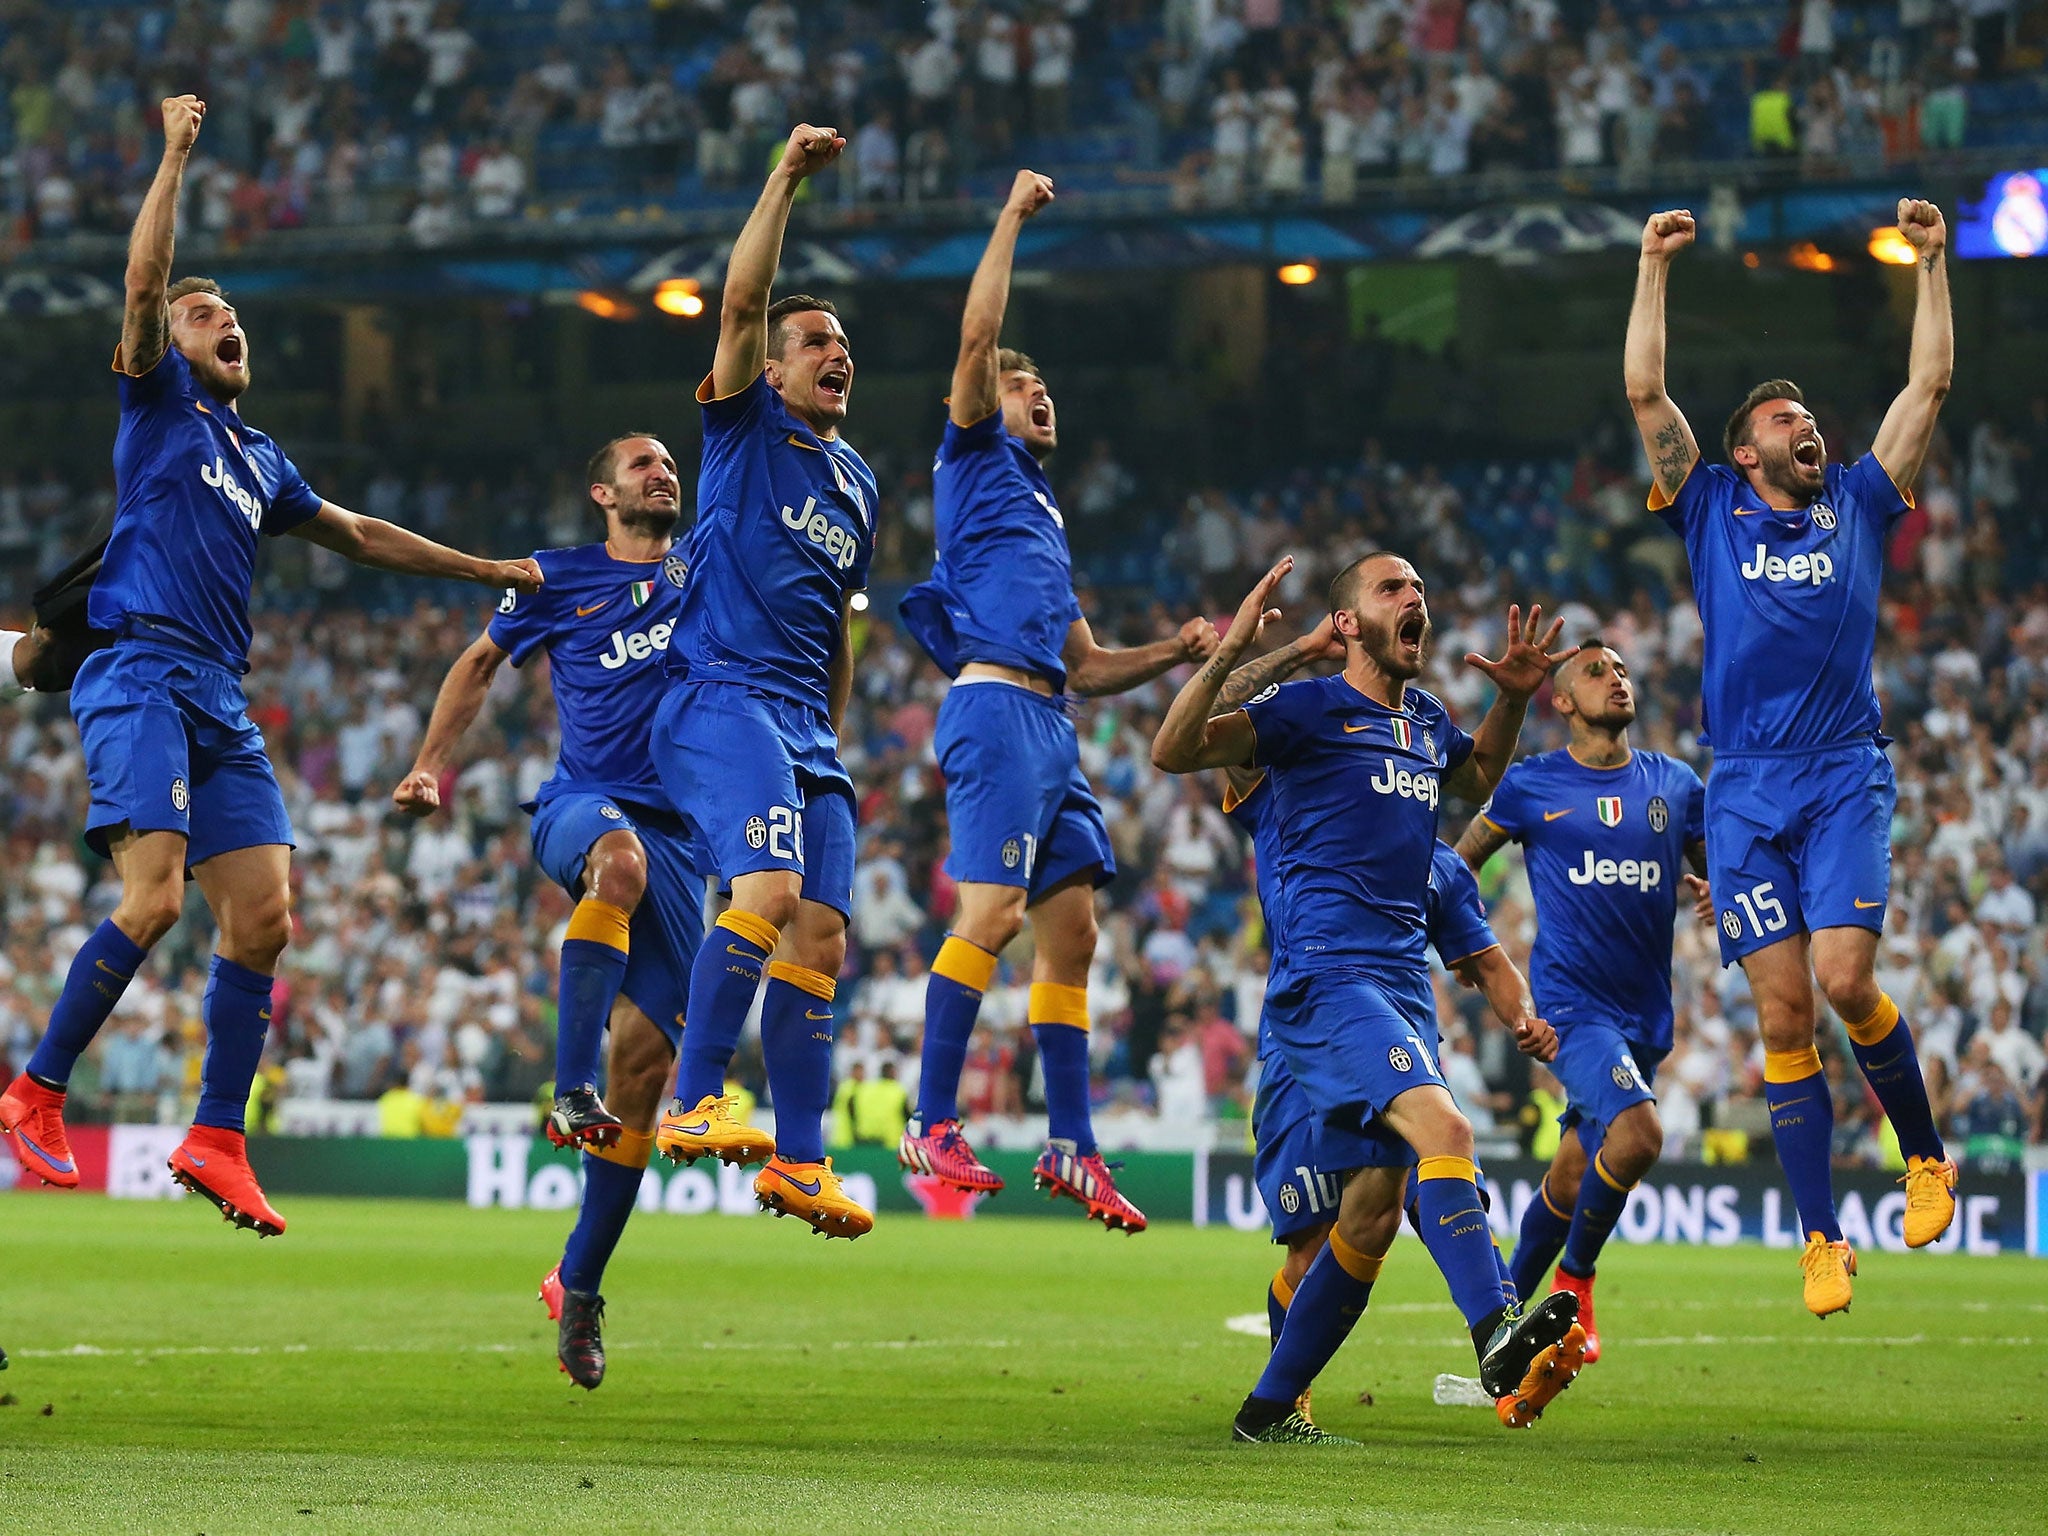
(783, 308)
(1737, 433)
(1588, 644)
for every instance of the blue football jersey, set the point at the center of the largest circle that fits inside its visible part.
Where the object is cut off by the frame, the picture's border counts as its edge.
(1605, 849)
(1002, 586)
(1355, 789)
(785, 529)
(1458, 928)
(606, 626)
(1788, 601)
(194, 488)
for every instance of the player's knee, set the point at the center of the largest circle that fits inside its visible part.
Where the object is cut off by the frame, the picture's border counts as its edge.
(989, 921)
(1784, 1017)
(1633, 1143)
(149, 911)
(1443, 1132)
(1370, 1229)
(256, 932)
(776, 907)
(1849, 985)
(618, 874)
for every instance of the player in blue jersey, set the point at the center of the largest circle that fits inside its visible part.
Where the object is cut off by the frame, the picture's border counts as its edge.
(999, 617)
(1357, 764)
(1787, 554)
(604, 831)
(747, 738)
(1606, 832)
(178, 776)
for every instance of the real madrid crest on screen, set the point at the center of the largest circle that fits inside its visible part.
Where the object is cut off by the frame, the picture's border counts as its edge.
(1659, 813)
(1608, 809)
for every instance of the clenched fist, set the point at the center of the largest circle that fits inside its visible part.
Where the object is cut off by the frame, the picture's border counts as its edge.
(1668, 233)
(184, 114)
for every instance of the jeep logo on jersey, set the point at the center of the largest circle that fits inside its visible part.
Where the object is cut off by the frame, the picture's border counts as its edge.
(1659, 814)
(1402, 781)
(1608, 809)
(1804, 570)
(1823, 516)
(1402, 736)
(840, 546)
(221, 478)
(674, 569)
(639, 647)
(1641, 874)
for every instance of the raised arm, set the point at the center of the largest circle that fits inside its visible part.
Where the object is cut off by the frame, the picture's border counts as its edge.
(455, 709)
(1322, 643)
(1908, 427)
(1193, 736)
(1667, 436)
(1093, 670)
(750, 271)
(1516, 677)
(145, 317)
(975, 394)
(372, 541)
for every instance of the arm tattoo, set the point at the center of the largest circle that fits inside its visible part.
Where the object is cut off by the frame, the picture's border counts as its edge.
(1672, 460)
(1482, 840)
(1254, 677)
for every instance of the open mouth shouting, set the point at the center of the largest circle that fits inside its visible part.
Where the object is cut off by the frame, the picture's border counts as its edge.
(833, 383)
(229, 353)
(1041, 415)
(1410, 633)
(1809, 454)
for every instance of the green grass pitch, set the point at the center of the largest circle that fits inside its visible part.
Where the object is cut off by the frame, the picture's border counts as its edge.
(384, 1367)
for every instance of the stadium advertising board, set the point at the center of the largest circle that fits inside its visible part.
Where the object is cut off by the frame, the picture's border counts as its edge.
(1710, 1206)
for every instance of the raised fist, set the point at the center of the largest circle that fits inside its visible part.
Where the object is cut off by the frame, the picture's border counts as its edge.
(1668, 233)
(182, 117)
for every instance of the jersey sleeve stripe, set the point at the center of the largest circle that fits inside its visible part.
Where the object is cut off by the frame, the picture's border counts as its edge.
(1658, 501)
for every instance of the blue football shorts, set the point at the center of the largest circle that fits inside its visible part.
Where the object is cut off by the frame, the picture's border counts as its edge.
(1355, 1042)
(169, 747)
(759, 780)
(1018, 809)
(1300, 1162)
(1604, 1072)
(1799, 842)
(668, 925)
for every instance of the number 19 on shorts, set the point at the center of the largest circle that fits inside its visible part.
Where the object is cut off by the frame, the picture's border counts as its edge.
(1765, 912)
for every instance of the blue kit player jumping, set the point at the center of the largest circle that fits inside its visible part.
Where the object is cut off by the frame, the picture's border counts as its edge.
(179, 779)
(1357, 764)
(1606, 832)
(604, 831)
(999, 617)
(1787, 555)
(747, 738)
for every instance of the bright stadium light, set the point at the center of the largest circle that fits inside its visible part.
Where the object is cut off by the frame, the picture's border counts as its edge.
(603, 305)
(679, 296)
(1892, 248)
(1297, 274)
(1808, 257)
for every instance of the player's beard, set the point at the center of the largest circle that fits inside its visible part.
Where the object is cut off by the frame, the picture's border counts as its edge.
(1384, 650)
(224, 386)
(643, 517)
(1784, 473)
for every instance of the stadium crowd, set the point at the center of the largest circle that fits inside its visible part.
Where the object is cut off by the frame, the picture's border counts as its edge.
(446, 113)
(422, 967)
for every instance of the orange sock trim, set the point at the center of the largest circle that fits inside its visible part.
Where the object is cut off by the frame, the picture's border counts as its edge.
(1600, 1167)
(757, 931)
(1882, 1021)
(633, 1151)
(1282, 1291)
(1790, 1066)
(1543, 1189)
(1359, 1266)
(599, 922)
(1052, 1002)
(1447, 1168)
(802, 977)
(966, 962)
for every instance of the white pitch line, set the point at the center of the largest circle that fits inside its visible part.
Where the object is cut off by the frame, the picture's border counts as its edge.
(155, 1351)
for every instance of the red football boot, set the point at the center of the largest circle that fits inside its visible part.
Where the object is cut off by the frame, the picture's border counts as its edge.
(1065, 1172)
(551, 1292)
(944, 1153)
(1583, 1289)
(214, 1162)
(35, 1115)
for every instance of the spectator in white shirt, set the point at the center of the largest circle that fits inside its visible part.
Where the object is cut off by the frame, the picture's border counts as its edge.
(877, 160)
(1052, 72)
(498, 182)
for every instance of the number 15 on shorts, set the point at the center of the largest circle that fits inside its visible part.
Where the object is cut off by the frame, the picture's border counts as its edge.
(781, 833)
(1765, 912)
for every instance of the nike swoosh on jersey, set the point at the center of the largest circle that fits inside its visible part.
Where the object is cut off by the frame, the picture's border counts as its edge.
(1864, 906)
(584, 613)
(1553, 815)
(1353, 730)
